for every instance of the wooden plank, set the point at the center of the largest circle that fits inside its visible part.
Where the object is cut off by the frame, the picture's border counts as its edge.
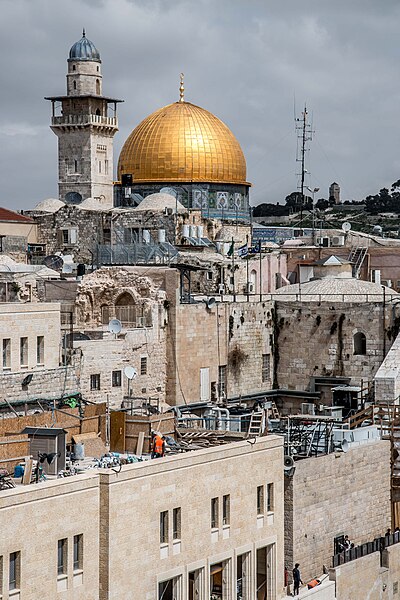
(28, 471)
(140, 442)
(117, 427)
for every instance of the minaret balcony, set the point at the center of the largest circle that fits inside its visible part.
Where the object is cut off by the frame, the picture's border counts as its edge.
(66, 120)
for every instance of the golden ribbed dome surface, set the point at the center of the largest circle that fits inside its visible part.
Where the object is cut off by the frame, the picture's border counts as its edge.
(182, 142)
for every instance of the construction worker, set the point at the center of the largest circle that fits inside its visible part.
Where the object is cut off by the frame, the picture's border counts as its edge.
(158, 446)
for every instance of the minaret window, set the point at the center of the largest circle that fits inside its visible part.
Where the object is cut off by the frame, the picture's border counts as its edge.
(74, 67)
(97, 87)
(99, 166)
(98, 112)
(76, 166)
(106, 167)
(74, 85)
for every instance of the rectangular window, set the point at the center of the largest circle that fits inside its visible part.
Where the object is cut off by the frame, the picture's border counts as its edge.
(62, 547)
(143, 365)
(7, 353)
(99, 166)
(40, 350)
(226, 509)
(164, 527)
(266, 367)
(116, 378)
(106, 167)
(15, 571)
(270, 497)
(214, 513)
(176, 523)
(95, 382)
(222, 381)
(69, 236)
(23, 351)
(78, 552)
(209, 275)
(260, 500)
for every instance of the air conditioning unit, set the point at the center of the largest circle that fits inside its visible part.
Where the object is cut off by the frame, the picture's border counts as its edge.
(307, 408)
(338, 240)
(221, 288)
(250, 287)
(324, 241)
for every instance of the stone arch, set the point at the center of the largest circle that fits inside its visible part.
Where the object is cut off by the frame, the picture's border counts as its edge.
(125, 309)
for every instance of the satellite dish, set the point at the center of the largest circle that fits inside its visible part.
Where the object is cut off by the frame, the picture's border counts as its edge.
(344, 446)
(210, 303)
(53, 262)
(115, 326)
(346, 227)
(130, 372)
(288, 462)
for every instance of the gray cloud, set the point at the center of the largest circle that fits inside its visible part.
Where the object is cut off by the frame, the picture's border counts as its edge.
(244, 60)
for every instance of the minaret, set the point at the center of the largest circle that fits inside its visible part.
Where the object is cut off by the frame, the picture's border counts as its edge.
(85, 123)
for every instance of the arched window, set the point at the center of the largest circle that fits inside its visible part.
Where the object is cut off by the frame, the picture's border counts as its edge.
(74, 85)
(360, 343)
(98, 87)
(98, 112)
(125, 310)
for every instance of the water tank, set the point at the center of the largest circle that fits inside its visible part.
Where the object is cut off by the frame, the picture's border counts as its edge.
(161, 236)
(185, 231)
(200, 231)
(193, 231)
(146, 236)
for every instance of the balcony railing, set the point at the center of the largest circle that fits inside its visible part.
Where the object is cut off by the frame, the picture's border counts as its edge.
(85, 120)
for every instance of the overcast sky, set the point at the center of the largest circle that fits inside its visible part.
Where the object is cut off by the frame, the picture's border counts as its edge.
(247, 61)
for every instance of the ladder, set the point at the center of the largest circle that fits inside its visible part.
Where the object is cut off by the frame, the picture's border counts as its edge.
(357, 254)
(273, 412)
(255, 425)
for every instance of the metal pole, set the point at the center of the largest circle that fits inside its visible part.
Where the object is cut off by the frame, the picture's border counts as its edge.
(247, 268)
(233, 270)
(259, 249)
(108, 424)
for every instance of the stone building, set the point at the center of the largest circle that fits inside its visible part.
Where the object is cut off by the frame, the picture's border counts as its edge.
(18, 235)
(341, 493)
(85, 129)
(145, 533)
(343, 326)
(100, 357)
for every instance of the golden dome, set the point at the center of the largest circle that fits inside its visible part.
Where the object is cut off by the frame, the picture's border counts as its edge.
(182, 142)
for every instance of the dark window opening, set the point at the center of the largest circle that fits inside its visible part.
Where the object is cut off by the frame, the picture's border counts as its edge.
(360, 343)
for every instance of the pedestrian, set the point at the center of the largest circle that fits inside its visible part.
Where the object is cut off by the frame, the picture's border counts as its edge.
(296, 579)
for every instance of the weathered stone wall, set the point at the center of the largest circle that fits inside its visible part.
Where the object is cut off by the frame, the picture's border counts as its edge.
(339, 493)
(232, 334)
(46, 384)
(387, 377)
(316, 340)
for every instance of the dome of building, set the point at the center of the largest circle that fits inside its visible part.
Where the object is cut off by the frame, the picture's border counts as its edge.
(84, 49)
(335, 289)
(158, 202)
(182, 143)
(50, 205)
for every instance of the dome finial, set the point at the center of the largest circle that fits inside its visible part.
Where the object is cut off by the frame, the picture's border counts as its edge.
(182, 90)
(83, 33)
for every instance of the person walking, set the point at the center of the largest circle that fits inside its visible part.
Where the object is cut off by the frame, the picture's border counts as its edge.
(296, 579)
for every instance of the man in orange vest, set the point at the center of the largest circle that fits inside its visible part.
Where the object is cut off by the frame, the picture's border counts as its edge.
(158, 446)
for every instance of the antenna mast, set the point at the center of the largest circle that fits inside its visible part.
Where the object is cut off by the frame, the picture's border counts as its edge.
(304, 135)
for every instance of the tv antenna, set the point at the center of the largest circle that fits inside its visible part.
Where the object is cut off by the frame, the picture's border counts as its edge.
(304, 134)
(54, 262)
(115, 326)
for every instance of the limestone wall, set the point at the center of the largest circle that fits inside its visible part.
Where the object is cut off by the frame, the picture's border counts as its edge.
(387, 377)
(235, 335)
(340, 493)
(316, 340)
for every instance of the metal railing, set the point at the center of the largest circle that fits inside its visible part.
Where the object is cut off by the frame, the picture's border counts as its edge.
(85, 120)
(377, 545)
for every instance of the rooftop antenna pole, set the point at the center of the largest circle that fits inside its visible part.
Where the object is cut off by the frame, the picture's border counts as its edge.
(305, 135)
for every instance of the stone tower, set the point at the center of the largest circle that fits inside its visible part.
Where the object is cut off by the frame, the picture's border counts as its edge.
(85, 129)
(334, 192)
